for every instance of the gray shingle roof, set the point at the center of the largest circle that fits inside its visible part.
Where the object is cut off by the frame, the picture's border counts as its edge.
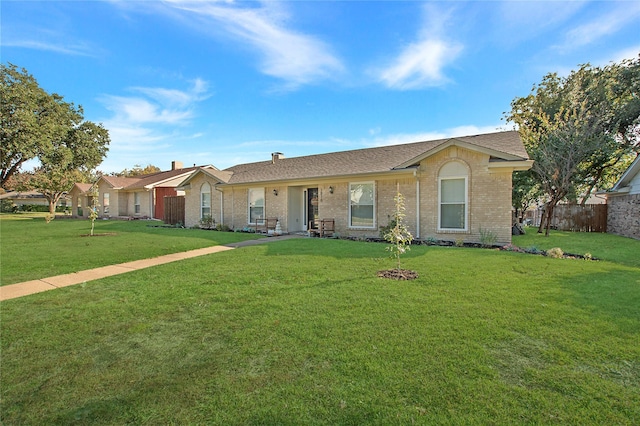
(369, 160)
(140, 182)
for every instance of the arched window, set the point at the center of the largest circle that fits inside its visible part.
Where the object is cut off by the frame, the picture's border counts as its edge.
(205, 200)
(453, 197)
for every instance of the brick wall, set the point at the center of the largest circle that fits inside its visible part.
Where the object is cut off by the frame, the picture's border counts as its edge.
(489, 201)
(623, 217)
(489, 204)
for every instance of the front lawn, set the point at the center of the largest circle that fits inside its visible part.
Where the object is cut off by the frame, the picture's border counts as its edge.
(605, 246)
(32, 248)
(302, 332)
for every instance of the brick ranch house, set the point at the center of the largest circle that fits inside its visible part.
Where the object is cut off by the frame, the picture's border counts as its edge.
(453, 188)
(130, 197)
(623, 212)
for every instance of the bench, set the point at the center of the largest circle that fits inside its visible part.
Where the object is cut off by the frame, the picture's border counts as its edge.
(321, 228)
(264, 225)
(327, 227)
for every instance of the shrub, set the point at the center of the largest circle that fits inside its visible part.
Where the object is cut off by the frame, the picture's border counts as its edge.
(222, 228)
(431, 241)
(459, 242)
(207, 222)
(555, 253)
(487, 237)
(7, 206)
(533, 250)
(384, 230)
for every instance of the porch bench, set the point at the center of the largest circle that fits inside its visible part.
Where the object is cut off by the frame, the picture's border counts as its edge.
(264, 225)
(327, 227)
(321, 228)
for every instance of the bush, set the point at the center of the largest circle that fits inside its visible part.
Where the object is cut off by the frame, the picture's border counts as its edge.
(487, 237)
(207, 222)
(222, 228)
(384, 230)
(555, 253)
(7, 206)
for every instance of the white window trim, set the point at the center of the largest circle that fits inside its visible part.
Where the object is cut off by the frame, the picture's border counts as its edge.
(350, 226)
(466, 204)
(137, 208)
(106, 203)
(201, 200)
(264, 201)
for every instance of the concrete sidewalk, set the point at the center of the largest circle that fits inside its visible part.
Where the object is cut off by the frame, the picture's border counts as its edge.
(26, 288)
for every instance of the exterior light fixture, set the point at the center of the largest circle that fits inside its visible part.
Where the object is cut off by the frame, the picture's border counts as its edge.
(275, 192)
(331, 190)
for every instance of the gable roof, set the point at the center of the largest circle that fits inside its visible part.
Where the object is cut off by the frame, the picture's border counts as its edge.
(82, 188)
(628, 175)
(505, 146)
(150, 180)
(221, 176)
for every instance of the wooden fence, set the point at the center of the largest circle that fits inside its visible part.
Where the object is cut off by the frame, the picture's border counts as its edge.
(574, 217)
(173, 210)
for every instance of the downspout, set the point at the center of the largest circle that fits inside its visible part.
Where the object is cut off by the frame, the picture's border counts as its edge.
(417, 204)
(152, 200)
(221, 204)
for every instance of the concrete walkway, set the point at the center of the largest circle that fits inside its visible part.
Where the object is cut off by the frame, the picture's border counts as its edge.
(36, 286)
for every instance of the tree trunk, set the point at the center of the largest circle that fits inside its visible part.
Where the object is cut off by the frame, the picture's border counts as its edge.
(549, 212)
(53, 199)
(542, 219)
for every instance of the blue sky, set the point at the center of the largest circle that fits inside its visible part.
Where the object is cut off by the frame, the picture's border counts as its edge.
(228, 82)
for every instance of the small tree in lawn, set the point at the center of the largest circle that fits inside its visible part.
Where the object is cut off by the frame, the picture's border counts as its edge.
(400, 240)
(93, 214)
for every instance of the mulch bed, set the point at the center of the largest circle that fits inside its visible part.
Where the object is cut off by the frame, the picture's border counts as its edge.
(398, 274)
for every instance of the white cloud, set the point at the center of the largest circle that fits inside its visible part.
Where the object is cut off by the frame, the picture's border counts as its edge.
(76, 49)
(149, 124)
(402, 138)
(420, 64)
(292, 56)
(518, 21)
(625, 13)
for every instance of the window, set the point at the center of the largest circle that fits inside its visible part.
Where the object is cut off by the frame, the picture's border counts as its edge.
(136, 202)
(361, 205)
(105, 203)
(256, 204)
(205, 200)
(453, 197)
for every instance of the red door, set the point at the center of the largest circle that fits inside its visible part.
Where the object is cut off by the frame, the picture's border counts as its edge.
(158, 211)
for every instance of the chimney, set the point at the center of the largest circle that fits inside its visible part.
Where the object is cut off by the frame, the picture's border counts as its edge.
(275, 156)
(176, 165)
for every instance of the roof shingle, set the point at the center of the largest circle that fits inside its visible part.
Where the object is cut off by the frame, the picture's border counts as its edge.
(368, 160)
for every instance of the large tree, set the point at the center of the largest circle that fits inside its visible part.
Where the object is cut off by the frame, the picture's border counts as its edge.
(580, 128)
(42, 126)
(138, 170)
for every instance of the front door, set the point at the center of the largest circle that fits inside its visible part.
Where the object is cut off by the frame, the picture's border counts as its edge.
(312, 207)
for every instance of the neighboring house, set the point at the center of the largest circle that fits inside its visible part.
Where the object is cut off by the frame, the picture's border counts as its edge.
(137, 197)
(452, 187)
(33, 198)
(623, 214)
(80, 196)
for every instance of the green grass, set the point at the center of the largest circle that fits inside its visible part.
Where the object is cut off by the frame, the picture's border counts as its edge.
(32, 248)
(302, 332)
(604, 246)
